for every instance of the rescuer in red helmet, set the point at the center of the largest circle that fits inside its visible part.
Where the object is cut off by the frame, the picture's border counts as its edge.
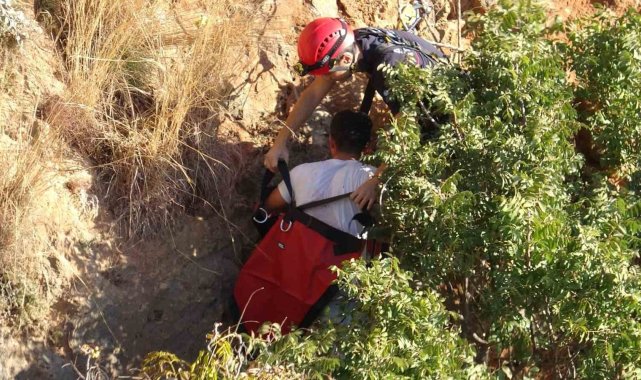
(330, 50)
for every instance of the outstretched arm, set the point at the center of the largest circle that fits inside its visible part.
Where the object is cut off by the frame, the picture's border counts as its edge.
(309, 99)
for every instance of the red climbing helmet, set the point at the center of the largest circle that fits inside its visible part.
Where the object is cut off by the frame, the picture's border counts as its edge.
(321, 43)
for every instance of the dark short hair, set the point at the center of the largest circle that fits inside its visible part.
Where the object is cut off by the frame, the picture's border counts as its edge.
(351, 131)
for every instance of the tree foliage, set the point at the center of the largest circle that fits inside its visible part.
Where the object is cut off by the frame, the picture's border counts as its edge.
(499, 203)
(606, 57)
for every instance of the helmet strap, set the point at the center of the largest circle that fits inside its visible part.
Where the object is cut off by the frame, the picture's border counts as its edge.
(351, 67)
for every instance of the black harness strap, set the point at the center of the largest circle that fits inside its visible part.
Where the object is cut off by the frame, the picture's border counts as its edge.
(319, 306)
(265, 190)
(323, 201)
(264, 186)
(391, 40)
(363, 217)
(284, 172)
(344, 243)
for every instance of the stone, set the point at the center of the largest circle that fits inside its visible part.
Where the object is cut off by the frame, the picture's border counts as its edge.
(325, 8)
(319, 123)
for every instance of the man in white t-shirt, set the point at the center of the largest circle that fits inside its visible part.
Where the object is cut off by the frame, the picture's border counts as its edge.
(349, 134)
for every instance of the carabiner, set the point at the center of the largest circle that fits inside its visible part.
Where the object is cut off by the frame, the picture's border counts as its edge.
(267, 215)
(289, 226)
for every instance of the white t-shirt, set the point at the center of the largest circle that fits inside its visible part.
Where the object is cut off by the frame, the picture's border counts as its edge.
(324, 179)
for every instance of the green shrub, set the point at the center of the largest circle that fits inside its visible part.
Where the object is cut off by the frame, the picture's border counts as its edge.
(394, 330)
(606, 57)
(226, 357)
(497, 206)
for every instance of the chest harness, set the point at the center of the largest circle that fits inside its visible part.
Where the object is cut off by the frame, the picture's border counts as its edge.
(388, 40)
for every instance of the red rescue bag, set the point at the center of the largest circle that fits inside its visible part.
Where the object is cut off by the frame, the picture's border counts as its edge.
(287, 279)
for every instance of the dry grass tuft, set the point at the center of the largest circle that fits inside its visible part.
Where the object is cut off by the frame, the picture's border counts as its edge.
(146, 88)
(26, 283)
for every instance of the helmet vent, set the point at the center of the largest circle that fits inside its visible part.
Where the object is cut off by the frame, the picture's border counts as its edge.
(321, 47)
